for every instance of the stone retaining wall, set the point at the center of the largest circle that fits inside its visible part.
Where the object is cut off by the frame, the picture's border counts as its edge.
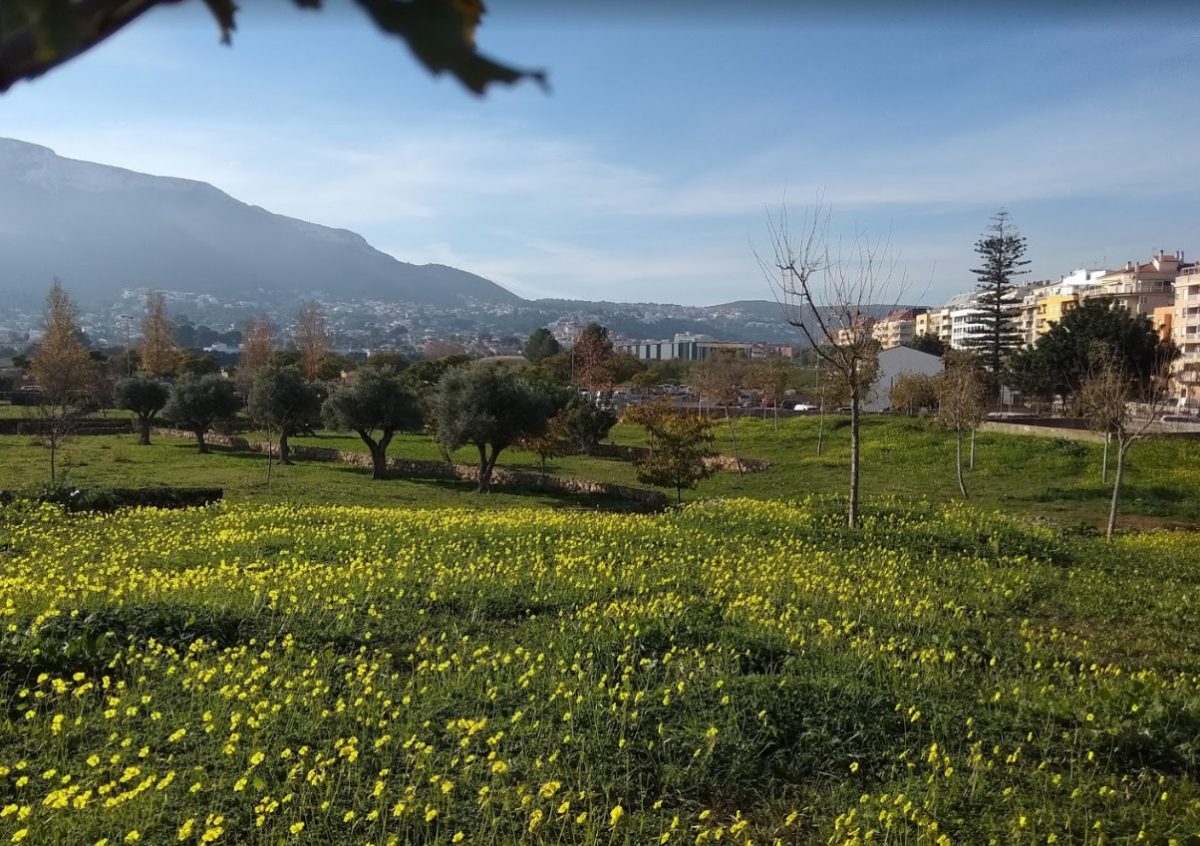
(1070, 432)
(426, 469)
(1041, 431)
(87, 426)
(716, 462)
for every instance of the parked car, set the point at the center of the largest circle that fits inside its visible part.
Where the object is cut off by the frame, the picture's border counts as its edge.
(803, 406)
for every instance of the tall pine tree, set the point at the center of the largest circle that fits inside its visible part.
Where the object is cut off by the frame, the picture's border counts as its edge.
(1002, 250)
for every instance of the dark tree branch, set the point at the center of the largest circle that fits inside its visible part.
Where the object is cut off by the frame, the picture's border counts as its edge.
(39, 35)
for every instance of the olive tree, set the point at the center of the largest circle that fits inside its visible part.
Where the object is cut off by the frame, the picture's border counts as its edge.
(283, 401)
(145, 396)
(490, 408)
(377, 406)
(197, 402)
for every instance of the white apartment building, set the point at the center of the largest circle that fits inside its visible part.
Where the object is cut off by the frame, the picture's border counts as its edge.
(1185, 330)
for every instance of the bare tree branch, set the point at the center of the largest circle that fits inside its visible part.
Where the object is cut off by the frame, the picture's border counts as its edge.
(838, 290)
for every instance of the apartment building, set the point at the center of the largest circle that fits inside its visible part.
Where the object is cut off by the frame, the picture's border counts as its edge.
(1141, 288)
(860, 329)
(940, 321)
(897, 328)
(1044, 304)
(1185, 329)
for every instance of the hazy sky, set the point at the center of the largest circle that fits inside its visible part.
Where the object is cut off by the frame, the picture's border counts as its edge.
(646, 174)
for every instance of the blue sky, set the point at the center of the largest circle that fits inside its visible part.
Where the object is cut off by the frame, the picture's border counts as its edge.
(647, 172)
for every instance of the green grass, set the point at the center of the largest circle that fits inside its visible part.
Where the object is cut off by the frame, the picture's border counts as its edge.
(908, 459)
(117, 461)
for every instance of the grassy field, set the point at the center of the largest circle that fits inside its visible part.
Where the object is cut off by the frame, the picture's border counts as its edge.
(1045, 478)
(739, 671)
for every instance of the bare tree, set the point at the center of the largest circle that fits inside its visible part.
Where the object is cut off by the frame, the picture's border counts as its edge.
(718, 379)
(913, 393)
(258, 345)
(826, 293)
(1108, 398)
(961, 398)
(772, 377)
(160, 352)
(312, 340)
(65, 373)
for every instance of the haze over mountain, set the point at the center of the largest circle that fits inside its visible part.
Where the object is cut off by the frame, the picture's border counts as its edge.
(103, 229)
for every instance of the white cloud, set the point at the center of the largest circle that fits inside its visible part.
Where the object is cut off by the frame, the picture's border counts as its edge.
(550, 214)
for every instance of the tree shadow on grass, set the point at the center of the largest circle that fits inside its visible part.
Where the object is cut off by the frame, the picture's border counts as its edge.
(538, 495)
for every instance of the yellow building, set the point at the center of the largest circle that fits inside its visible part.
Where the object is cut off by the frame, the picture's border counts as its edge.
(1050, 310)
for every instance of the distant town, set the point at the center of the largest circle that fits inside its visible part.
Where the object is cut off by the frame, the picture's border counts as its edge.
(1165, 289)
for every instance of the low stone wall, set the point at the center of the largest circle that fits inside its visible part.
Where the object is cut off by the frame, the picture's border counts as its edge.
(1042, 431)
(425, 469)
(1073, 429)
(34, 426)
(716, 462)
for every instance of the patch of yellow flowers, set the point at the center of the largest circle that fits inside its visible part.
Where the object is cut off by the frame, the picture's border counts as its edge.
(735, 672)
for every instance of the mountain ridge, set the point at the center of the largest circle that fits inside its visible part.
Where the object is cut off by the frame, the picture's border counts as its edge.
(106, 229)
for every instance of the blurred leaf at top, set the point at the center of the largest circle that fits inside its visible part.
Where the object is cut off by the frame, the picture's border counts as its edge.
(38, 35)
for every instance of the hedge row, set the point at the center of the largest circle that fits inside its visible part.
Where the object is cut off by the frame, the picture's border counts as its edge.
(110, 499)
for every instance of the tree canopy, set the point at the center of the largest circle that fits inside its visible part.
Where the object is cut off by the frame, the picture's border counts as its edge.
(679, 445)
(1063, 358)
(67, 375)
(583, 423)
(283, 400)
(160, 352)
(38, 35)
(377, 406)
(594, 359)
(1001, 251)
(491, 408)
(197, 402)
(145, 395)
(541, 345)
(927, 343)
(61, 366)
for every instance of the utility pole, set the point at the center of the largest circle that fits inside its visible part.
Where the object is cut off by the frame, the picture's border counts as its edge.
(128, 348)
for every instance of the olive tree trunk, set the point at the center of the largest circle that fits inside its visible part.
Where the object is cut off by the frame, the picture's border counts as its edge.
(378, 450)
(487, 463)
